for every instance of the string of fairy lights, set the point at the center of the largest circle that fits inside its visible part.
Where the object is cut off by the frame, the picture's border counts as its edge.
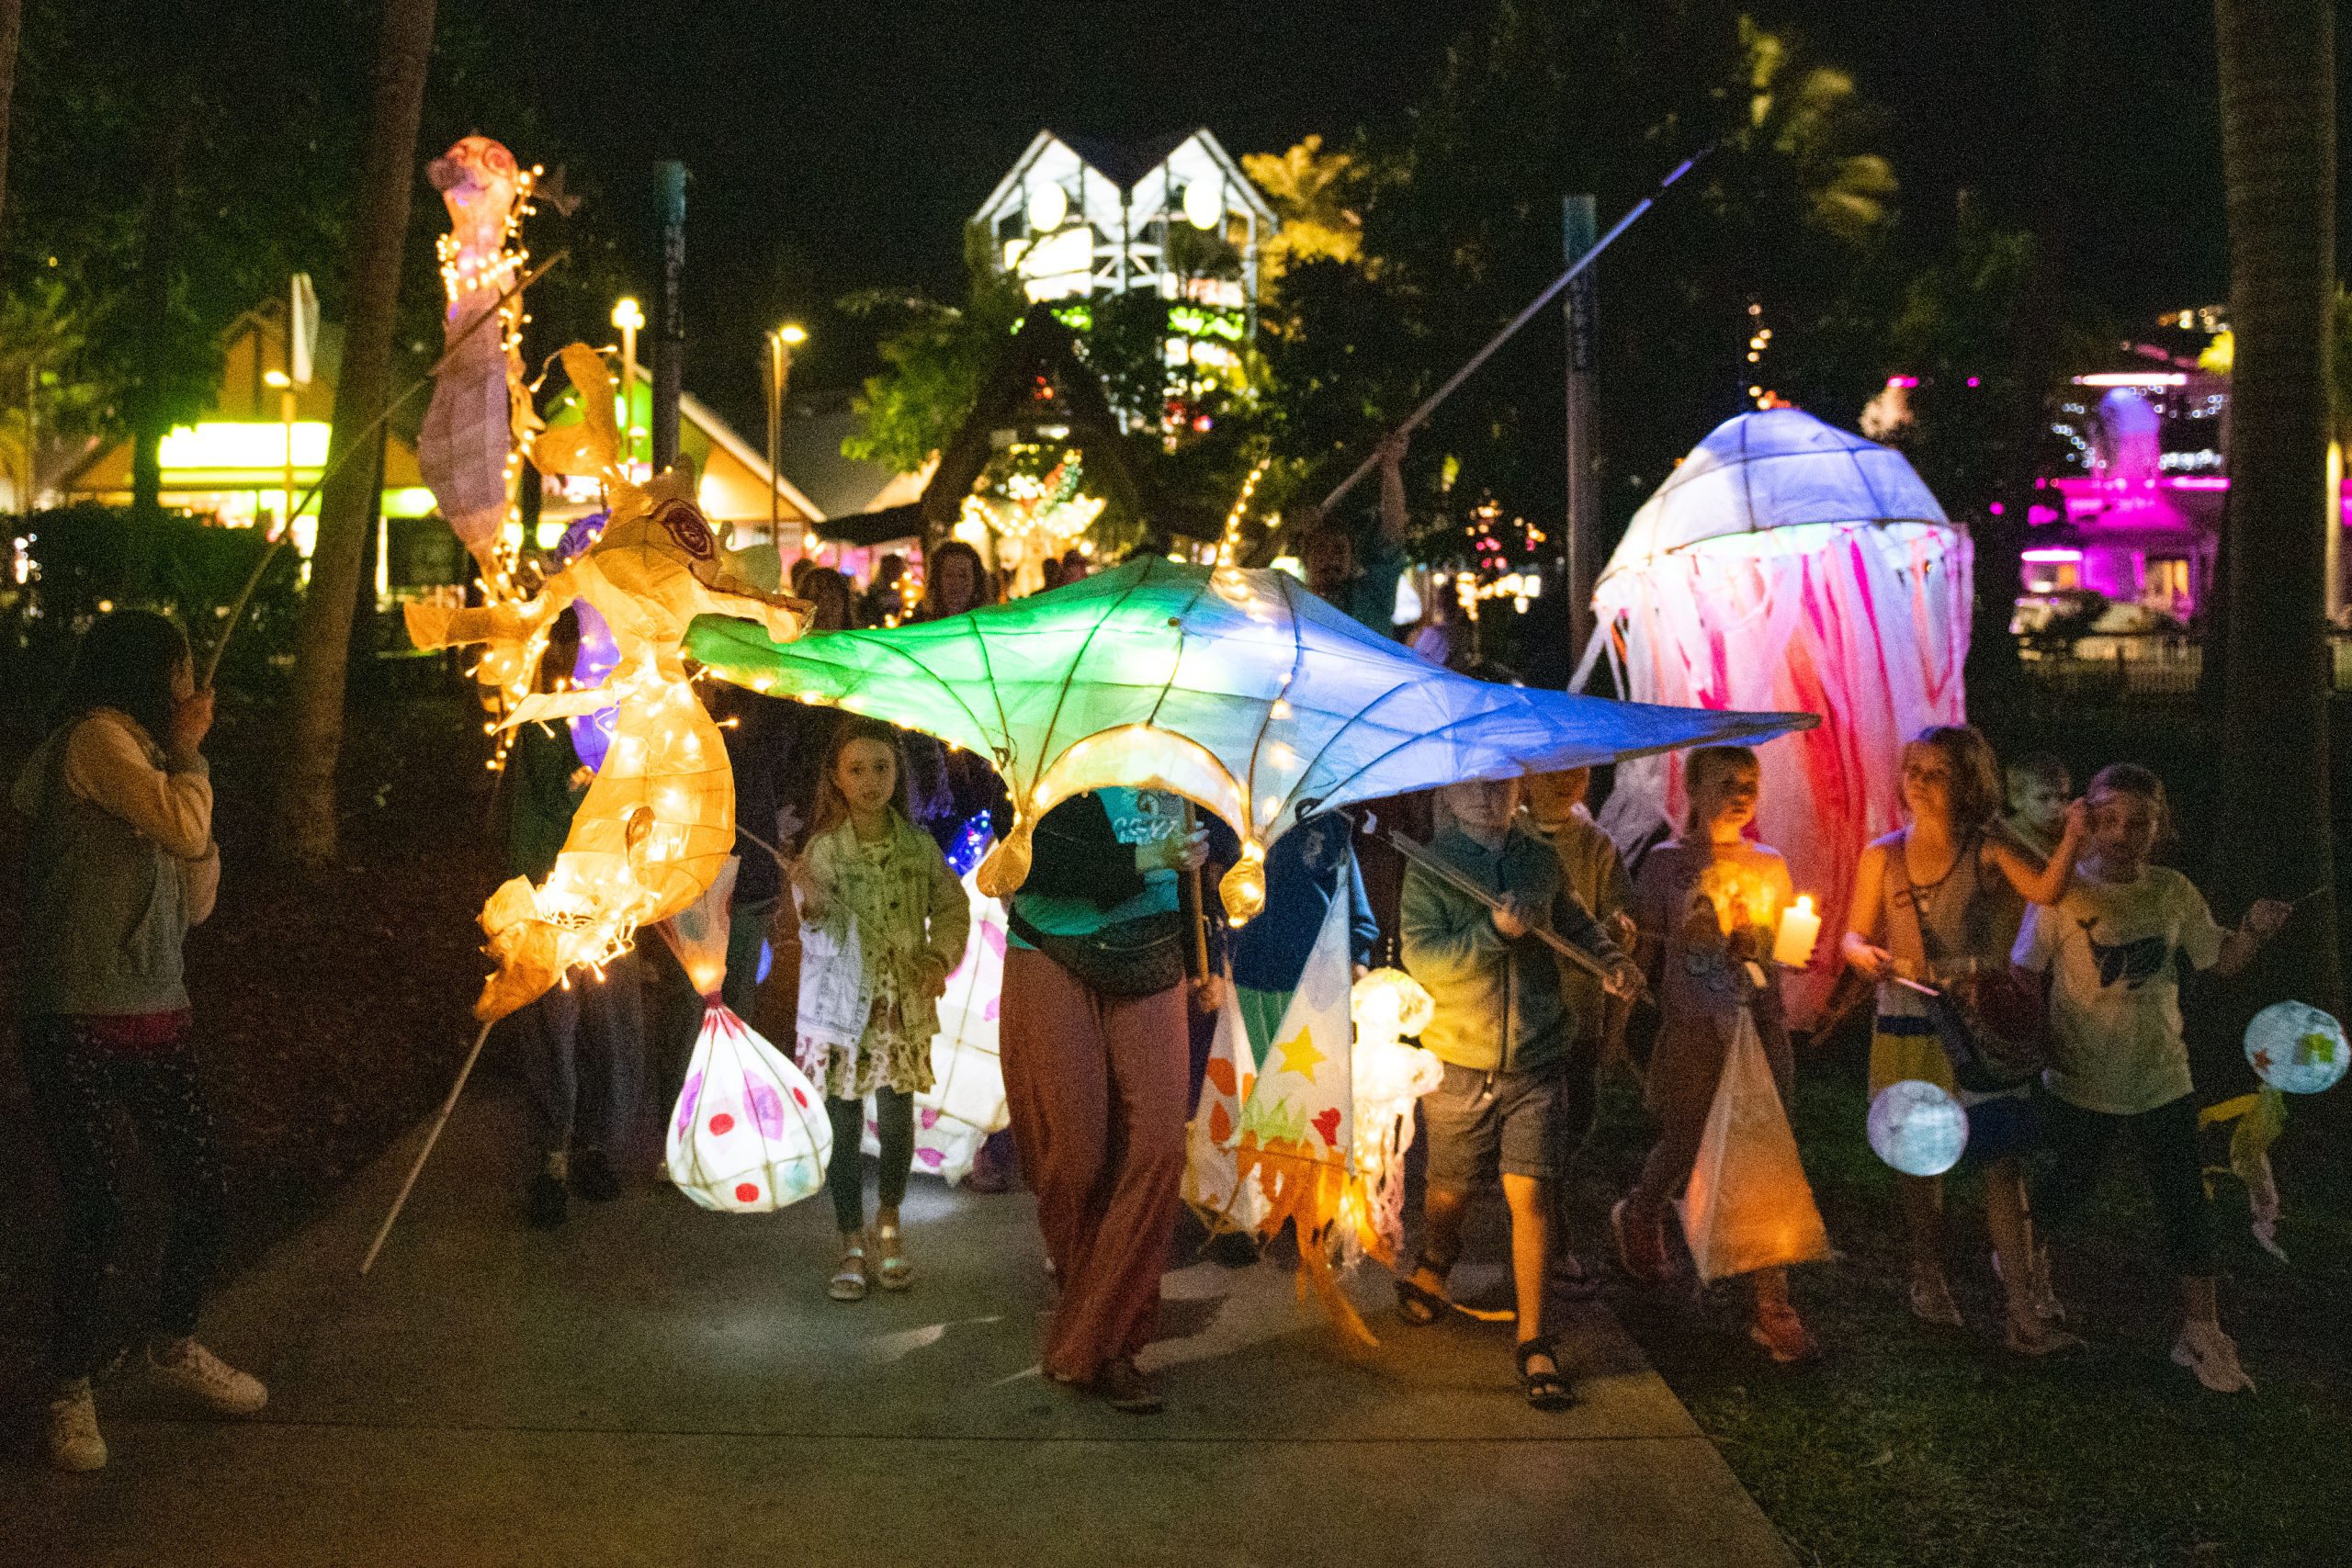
(1229, 546)
(466, 273)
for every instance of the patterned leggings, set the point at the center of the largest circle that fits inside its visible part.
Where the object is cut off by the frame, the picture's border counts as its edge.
(77, 1083)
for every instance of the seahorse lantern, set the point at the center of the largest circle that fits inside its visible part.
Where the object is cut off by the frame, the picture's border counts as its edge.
(479, 410)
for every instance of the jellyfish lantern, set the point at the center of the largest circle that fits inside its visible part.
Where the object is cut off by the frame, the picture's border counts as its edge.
(1787, 565)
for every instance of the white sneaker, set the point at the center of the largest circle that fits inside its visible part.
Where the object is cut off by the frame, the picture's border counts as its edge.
(73, 1440)
(197, 1371)
(2212, 1355)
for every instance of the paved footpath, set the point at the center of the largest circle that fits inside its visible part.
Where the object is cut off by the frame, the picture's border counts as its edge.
(658, 1385)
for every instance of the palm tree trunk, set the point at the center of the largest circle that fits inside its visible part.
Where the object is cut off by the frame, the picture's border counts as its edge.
(306, 798)
(12, 17)
(2278, 159)
(159, 267)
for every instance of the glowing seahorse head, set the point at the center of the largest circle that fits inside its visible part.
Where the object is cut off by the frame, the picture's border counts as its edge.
(480, 185)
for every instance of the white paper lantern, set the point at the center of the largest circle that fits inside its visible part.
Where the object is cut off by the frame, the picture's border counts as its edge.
(2296, 1048)
(1918, 1128)
(1205, 202)
(749, 1133)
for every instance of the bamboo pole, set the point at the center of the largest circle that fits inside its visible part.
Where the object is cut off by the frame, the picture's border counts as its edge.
(1428, 405)
(1420, 856)
(440, 1119)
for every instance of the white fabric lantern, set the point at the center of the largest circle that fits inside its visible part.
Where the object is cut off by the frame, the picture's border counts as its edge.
(1918, 1128)
(2296, 1048)
(966, 1101)
(748, 1134)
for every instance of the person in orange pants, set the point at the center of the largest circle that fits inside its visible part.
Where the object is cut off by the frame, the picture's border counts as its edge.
(1092, 1038)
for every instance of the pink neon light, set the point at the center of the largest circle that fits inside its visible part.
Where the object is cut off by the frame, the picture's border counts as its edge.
(1998, 509)
(2050, 555)
(1902, 380)
(1972, 380)
(2199, 481)
(2134, 379)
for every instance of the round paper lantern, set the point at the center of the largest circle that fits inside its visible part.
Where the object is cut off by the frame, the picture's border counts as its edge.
(2295, 1048)
(1918, 1128)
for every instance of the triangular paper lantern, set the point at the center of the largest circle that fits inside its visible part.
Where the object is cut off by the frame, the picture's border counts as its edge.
(1298, 1122)
(1213, 1183)
(1748, 1205)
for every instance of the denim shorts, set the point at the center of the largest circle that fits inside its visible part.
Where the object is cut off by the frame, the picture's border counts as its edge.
(1476, 1120)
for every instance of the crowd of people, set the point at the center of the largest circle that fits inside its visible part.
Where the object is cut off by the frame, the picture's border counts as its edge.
(848, 821)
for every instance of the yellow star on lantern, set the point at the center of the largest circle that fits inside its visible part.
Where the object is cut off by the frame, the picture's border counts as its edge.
(1299, 1055)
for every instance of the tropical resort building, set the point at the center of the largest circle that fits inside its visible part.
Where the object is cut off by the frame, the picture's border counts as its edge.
(1175, 216)
(254, 454)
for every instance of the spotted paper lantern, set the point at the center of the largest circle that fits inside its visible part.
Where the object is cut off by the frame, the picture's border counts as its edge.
(2296, 1048)
(1918, 1128)
(749, 1133)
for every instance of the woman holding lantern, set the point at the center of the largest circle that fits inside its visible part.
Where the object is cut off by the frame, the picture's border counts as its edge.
(1933, 902)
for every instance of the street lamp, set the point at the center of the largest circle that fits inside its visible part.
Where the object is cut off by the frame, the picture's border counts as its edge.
(284, 383)
(781, 341)
(629, 318)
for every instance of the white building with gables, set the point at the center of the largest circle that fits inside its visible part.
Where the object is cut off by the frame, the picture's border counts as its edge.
(1076, 218)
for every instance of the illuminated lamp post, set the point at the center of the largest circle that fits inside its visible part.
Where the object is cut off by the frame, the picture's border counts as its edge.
(781, 341)
(285, 385)
(629, 318)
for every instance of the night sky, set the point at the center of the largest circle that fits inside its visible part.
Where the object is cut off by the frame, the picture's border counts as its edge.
(836, 147)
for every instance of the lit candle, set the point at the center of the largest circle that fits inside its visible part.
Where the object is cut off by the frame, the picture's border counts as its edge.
(1800, 928)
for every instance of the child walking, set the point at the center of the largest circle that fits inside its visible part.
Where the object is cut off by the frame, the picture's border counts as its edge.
(2040, 788)
(870, 871)
(1555, 812)
(1703, 903)
(1504, 1034)
(2109, 947)
(120, 862)
(1937, 901)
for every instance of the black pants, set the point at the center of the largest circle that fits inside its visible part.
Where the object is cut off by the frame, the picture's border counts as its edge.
(2165, 1140)
(894, 1115)
(77, 1084)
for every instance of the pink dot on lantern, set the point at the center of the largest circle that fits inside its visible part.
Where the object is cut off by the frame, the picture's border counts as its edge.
(722, 1123)
(745, 1191)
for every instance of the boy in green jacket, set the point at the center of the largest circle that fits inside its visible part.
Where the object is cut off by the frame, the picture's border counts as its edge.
(1503, 1029)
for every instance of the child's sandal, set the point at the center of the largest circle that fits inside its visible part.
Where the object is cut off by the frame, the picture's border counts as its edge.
(1416, 1306)
(848, 1281)
(895, 1270)
(1547, 1390)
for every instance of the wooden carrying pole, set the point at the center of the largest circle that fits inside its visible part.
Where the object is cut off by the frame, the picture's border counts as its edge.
(433, 1136)
(1428, 405)
(1420, 856)
(1199, 909)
